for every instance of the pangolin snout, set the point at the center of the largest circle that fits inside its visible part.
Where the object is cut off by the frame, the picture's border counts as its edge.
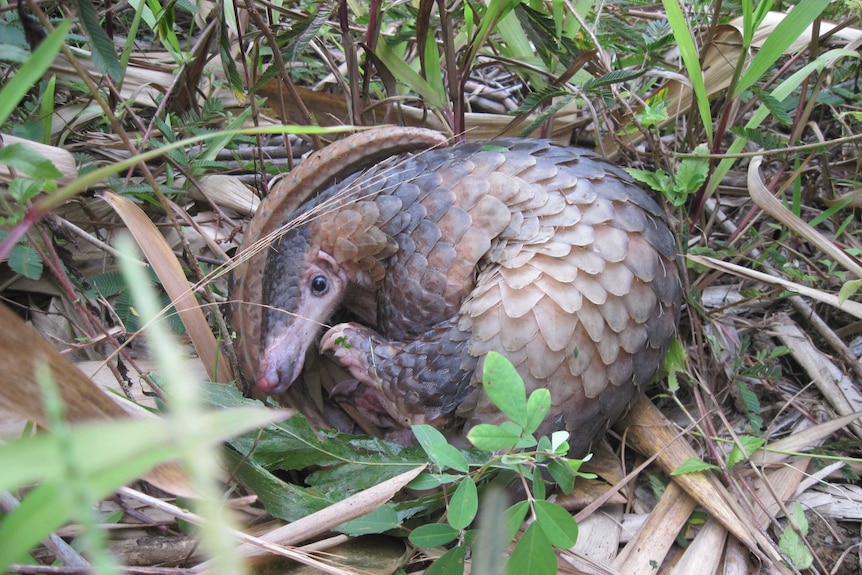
(280, 365)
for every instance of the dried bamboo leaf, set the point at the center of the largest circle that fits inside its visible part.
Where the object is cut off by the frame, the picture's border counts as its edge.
(649, 547)
(170, 273)
(772, 206)
(322, 521)
(21, 395)
(851, 307)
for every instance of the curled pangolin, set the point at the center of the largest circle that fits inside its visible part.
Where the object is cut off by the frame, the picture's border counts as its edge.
(544, 253)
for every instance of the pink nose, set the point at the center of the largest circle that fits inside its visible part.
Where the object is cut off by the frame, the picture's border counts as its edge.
(273, 376)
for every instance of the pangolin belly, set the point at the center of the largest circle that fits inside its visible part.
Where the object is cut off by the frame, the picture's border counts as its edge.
(543, 253)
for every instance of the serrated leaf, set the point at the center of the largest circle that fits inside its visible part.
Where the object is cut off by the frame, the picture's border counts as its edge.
(749, 443)
(690, 175)
(558, 524)
(489, 437)
(538, 405)
(382, 519)
(693, 465)
(103, 51)
(657, 180)
(463, 505)
(432, 535)
(533, 554)
(450, 563)
(505, 388)
(793, 545)
(25, 260)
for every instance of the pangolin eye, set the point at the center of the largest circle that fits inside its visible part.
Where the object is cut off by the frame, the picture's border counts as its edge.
(319, 285)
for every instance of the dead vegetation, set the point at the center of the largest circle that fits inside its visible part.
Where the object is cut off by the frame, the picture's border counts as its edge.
(766, 211)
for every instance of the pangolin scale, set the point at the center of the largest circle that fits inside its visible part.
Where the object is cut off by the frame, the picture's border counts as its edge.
(541, 252)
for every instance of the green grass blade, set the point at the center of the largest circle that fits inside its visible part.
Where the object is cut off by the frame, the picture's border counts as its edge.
(787, 31)
(31, 72)
(688, 52)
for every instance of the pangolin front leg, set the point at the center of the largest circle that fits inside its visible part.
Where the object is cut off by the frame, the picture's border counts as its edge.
(424, 380)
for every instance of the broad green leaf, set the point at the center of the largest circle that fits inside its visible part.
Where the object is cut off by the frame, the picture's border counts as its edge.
(505, 388)
(533, 554)
(792, 544)
(515, 516)
(432, 535)
(463, 505)
(448, 457)
(749, 443)
(558, 524)
(26, 261)
(559, 441)
(489, 437)
(693, 465)
(562, 474)
(16, 87)
(848, 289)
(538, 405)
(382, 519)
(450, 563)
(440, 452)
(28, 161)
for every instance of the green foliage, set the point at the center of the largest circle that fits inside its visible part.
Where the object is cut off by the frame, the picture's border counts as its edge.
(690, 175)
(553, 526)
(792, 544)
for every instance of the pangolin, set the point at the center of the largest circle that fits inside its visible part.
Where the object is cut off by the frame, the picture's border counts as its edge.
(543, 253)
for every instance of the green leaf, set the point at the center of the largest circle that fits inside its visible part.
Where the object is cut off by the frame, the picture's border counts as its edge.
(538, 405)
(690, 175)
(533, 554)
(560, 441)
(489, 437)
(562, 474)
(750, 445)
(689, 54)
(29, 74)
(657, 180)
(26, 261)
(515, 516)
(382, 519)
(849, 289)
(27, 160)
(463, 505)
(450, 563)
(104, 54)
(505, 388)
(792, 544)
(786, 32)
(441, 453)
(107, 455)
(693, 465)
(558, 524)
(407, 76)
(432, 535)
